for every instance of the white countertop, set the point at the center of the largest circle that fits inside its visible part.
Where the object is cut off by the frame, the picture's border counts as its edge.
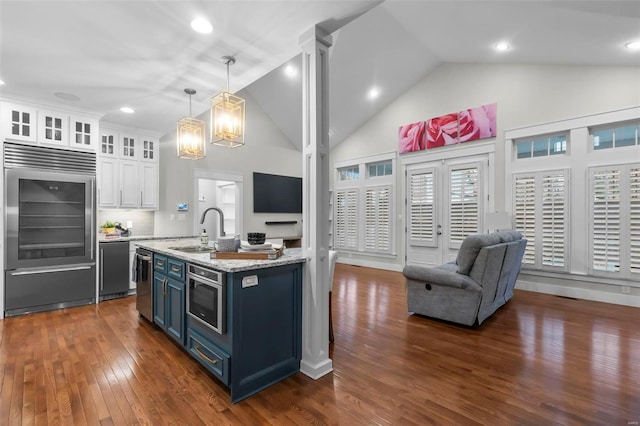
(290, 256)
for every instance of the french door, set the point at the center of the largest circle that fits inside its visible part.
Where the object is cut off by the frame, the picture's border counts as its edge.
(444, 203)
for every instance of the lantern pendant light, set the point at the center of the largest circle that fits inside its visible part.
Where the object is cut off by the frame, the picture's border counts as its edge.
(191, 135)
(227, 115)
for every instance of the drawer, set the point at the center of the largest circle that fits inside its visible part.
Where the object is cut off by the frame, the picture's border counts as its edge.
(160, 263)
(212, 357)
(176, 269)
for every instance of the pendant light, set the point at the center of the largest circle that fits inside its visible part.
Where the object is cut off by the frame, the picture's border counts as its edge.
(190, 135)
(227, 115)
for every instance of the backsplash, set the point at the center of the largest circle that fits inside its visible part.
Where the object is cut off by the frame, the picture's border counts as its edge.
(141, 221)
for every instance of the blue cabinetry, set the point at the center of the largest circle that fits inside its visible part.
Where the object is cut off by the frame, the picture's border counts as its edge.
(169, 296)
(262, 344)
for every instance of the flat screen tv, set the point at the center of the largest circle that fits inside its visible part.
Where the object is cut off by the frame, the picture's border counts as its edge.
(276, 194)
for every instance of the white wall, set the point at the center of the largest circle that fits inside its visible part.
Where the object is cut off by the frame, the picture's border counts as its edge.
(525, 94)
(266, 150)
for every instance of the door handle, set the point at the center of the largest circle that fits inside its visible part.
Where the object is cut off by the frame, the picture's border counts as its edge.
(46, 271)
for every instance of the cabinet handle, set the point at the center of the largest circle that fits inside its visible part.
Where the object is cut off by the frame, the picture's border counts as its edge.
(175, 268)
(164, 286)
(212, 361)
(121, 197)
(141, 199)
(160, 262)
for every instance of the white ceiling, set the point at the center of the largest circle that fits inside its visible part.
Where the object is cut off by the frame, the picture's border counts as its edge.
(143, 53)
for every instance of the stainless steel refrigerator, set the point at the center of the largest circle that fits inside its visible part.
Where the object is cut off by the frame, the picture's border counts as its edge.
(50, 228)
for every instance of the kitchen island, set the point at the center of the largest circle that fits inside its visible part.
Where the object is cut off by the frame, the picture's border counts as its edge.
(240, 319)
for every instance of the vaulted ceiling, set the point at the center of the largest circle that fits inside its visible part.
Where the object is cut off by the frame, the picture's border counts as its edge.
(100, 55)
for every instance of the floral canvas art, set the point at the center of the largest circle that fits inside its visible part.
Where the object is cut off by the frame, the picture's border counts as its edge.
(442, 131)
(465, 126)
(411, 137)
(477, 123)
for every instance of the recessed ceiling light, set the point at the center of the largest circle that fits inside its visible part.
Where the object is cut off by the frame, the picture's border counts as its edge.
(373, 93)
(66, 96)
(127, 110)
(290, 71)
(502, 46)
(633, 45)
(201, 25)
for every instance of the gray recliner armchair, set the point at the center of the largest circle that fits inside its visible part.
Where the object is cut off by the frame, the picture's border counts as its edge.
(471, 288)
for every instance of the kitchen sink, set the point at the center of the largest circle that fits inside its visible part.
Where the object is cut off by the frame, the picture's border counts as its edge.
(193, 249)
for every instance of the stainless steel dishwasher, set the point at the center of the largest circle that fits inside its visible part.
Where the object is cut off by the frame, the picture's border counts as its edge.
(144, 278)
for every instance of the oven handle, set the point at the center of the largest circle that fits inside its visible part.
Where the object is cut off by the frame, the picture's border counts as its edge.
(46, 271)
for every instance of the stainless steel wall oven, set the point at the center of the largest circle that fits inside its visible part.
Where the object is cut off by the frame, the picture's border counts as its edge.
(50, 228)
(206, 297)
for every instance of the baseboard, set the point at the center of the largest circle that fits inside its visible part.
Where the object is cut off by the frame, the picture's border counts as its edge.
(370, 264)
(580, 293)
(318, 370)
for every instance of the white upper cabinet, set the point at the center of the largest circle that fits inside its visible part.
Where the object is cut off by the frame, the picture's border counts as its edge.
(48, 126)
(129, 195)
(53, 128)
(149, 149)
(128, 169)
(108, 183)
(148, 185)
(18, 122)
(129, 146)
(84, 133)
(108, 147)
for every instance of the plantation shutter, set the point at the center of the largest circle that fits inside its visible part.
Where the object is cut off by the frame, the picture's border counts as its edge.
(463, 204)
(524, 210)
(421, 208)
(377, 234)
(606, 220)
(553, 224)
(634, 219)
(346, 224)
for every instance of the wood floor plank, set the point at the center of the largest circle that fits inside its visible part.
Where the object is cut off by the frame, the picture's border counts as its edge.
(539, 360)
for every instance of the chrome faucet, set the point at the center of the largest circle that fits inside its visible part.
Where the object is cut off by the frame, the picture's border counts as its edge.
(222, 234)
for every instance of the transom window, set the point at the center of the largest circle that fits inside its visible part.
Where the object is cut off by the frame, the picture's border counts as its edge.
(349, 173)
(616, 137)
(380, 169)
(541, 146)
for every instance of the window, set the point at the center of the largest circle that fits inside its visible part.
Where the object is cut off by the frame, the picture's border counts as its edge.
(377, 211)
(380, 169)
(540, 208)
(346, 219)
(349, 173)
(541, 146)
(363, 205)
(616, 137)
(615, 228)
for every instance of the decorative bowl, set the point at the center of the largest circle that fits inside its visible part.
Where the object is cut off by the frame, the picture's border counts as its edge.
(256, 237)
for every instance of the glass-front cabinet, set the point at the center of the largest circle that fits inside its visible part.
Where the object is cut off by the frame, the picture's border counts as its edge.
(53, 128)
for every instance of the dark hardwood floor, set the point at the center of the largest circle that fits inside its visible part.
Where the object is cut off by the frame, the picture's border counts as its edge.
(540, 360)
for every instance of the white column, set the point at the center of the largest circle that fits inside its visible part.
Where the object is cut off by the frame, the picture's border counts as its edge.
(315, 212)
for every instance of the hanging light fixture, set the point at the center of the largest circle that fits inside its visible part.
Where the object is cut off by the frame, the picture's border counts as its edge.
(227, 115)
(190, 135)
